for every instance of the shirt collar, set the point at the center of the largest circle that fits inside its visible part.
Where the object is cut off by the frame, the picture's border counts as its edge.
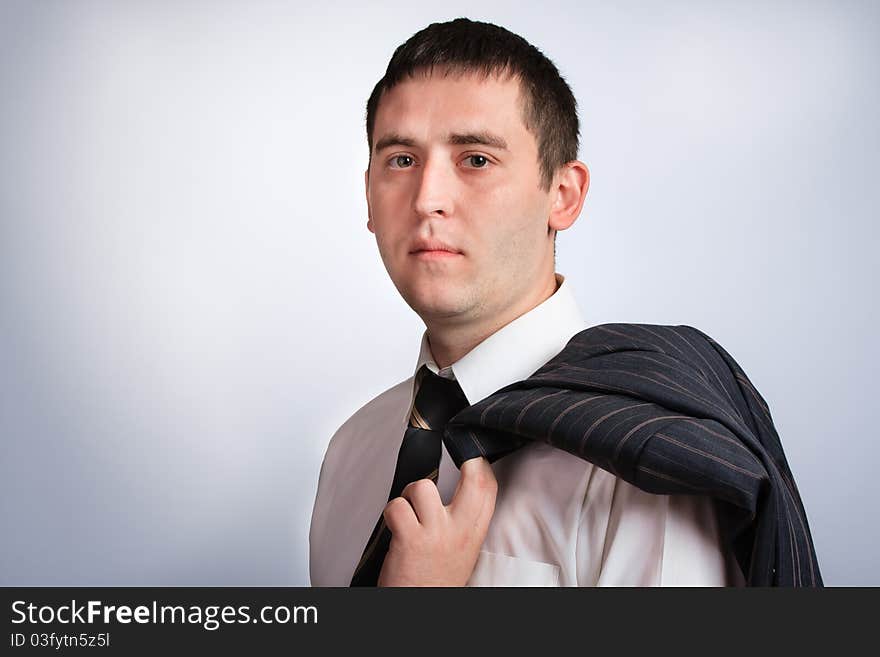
(515, 351)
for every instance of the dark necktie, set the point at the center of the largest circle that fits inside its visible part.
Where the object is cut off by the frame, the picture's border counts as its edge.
(437, 399)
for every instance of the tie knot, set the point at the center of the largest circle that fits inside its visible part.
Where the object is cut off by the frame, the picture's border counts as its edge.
(437, 400)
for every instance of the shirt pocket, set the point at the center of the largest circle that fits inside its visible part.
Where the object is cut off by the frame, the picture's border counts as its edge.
(494, 569)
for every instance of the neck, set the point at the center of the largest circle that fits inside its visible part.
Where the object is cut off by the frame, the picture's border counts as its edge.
(450, 342)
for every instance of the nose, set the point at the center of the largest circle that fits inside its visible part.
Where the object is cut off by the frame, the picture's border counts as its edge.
(434, 196)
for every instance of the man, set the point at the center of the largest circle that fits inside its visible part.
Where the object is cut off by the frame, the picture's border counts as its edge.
(473, 169)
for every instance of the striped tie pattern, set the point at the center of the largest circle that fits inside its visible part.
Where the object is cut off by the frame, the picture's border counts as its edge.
(667, 409)
(437, 399)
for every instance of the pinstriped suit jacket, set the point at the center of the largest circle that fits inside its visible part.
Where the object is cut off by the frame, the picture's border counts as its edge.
(669, 410)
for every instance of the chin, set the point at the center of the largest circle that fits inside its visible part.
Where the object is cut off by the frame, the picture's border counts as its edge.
(438, 305)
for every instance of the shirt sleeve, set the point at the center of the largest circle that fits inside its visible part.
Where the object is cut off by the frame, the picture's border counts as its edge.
(629, 537)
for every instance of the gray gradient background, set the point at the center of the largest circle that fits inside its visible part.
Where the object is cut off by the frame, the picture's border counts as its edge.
(191, 303)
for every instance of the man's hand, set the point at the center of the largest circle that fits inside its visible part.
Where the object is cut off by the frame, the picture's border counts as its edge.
(436, 545)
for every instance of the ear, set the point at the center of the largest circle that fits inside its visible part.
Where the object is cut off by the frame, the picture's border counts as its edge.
(570, 186)
(367, 191)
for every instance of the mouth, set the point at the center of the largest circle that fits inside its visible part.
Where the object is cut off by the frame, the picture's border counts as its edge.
(434, 254)
(434, 250)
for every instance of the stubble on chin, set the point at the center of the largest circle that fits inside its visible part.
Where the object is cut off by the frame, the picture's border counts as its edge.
(448, 304)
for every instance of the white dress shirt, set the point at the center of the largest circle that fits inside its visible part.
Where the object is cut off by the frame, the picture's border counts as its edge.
(559, 520)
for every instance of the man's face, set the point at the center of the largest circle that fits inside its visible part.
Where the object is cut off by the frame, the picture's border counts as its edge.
(432, 186)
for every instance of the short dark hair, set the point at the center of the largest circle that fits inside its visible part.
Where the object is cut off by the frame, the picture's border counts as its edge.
(465, 46)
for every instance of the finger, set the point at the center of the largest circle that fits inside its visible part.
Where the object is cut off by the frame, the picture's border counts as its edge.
(474, 497)
(425, 500)
(400, 517)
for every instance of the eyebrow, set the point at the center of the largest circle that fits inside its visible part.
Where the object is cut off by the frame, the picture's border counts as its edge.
(482, 138)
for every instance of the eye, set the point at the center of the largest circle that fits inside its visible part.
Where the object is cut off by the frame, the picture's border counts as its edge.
(400, 162)
(478, 161)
